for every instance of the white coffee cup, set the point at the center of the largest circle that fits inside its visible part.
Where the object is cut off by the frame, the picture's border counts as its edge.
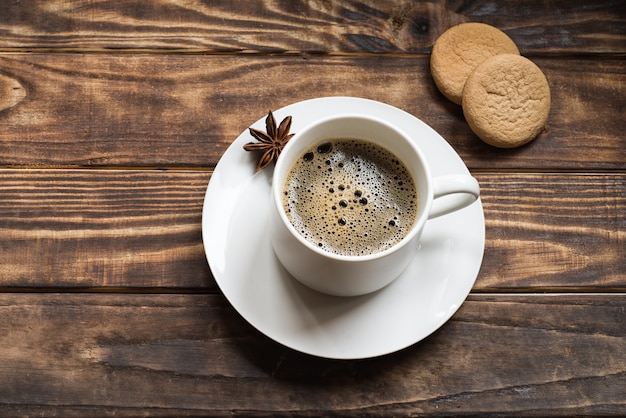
(343, 275)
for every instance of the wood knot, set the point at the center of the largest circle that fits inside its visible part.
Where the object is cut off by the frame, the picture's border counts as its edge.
(417, 25)
(11, 92)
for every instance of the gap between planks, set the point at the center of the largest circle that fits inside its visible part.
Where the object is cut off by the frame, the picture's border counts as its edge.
(539, 291)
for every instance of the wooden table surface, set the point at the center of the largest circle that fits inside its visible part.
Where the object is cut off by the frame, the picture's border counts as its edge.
(113, 116)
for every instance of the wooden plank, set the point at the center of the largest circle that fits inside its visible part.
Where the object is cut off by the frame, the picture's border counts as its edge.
(184, 111)
(553, 231)
(370, 26)
(142, 229)
(63, 228)
(99, 354)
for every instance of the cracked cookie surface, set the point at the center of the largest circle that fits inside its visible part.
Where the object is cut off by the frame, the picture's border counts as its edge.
(460, 49)
(506, 100)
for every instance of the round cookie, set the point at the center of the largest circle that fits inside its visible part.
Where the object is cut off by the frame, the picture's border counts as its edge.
(506, 100)
(460, 49)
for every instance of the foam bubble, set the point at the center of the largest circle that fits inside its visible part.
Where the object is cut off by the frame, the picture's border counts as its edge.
(358, 197)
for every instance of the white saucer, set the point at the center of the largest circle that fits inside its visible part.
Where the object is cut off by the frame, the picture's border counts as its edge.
(422, 299)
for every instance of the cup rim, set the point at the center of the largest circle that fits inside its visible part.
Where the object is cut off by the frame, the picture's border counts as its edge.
(418, 223)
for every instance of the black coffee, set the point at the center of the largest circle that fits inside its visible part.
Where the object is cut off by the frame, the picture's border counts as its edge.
(350, 197)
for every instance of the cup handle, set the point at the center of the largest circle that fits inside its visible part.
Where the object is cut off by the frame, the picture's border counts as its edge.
(453, 192)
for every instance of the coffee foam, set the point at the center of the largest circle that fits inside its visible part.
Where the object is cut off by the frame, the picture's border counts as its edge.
(350, 197)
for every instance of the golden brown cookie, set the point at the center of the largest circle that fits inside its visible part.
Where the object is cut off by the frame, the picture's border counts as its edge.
(506, 100)
(460, 49)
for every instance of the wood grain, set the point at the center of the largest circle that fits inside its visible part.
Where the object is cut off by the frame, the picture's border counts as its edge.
(110, 229)
(553, 231)
(369, 26)
(114, 229)
(184, 111)
(94, 355)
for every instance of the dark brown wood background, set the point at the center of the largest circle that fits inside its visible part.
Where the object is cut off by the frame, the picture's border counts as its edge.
(112, 118)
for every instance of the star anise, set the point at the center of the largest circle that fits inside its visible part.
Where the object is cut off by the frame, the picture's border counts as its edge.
(272, 142)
